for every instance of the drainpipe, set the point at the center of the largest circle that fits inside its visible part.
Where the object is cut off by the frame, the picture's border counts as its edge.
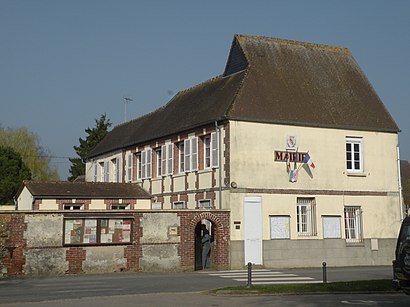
(400, 187)
(218, 133)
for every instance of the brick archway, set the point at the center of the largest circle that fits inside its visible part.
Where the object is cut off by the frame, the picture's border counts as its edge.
(189, 220)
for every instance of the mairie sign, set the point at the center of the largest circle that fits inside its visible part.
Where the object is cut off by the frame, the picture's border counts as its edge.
(287, 156)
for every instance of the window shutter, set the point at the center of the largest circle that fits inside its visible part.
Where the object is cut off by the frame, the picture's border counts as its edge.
(106, 171)
(187, 155)
(194, 153)
(95, 172)
(149, 162)
(214, 150)
(129, 167)
(143, 165)
(170, 159)
(164, 159)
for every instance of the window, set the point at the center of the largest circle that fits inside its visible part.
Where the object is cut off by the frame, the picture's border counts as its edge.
(306, 222)
(102, 176)
(95, 231)
(139, 165)
(158, 162)
(191, 154)
(73, 207)
(156, 206)
(181, 160)
(353, 225)
(279, 227)
(331, 227)
(205, 204)
(95, 172)
(145, 163)
(214, 149)
(116, 169)
(211, 153)
(207, 152)
(167, 159)
(354, 159)
(120, 207)
(129, 167)
(179, 205)
(106, 171)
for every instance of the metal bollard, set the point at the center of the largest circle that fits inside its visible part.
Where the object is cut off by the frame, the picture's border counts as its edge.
(249, 284)
(324, 272)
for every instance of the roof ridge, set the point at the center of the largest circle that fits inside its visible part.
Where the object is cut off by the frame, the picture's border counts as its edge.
(199, 84)
(294, 42)
(237, 91)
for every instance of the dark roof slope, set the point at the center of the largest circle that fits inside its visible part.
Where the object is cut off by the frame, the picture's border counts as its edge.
(268, 80)
(306, 84)
(66, 189)
(200, 105)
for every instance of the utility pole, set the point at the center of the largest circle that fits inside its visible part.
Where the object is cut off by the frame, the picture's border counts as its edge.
(126, 101)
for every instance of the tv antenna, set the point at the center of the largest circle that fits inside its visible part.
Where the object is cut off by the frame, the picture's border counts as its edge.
(127, 100)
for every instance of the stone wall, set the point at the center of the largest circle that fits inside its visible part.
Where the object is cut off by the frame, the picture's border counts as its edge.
(32, 243)
(311, 253)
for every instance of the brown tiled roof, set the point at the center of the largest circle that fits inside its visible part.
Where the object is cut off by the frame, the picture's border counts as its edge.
(268, 80)
(67, 189)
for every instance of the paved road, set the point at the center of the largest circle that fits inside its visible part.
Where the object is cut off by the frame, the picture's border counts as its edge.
(199, 300)
(166, 287)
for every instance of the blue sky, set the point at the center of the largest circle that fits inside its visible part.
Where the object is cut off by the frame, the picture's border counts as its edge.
(64, 63)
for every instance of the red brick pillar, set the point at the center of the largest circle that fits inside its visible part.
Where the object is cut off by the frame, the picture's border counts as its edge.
(75, 257)
(16, 245)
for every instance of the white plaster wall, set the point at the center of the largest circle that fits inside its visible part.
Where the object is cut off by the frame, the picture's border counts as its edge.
(179, 183)
(143, 204)
(103, 259)
(156, 228)
(25, 200)
(252, 158)
(48, 204)
(97, 204)
(44, 230)
(380, 214)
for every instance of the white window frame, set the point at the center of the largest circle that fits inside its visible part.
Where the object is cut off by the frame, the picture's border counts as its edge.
(354, 155)
(138, 162)
(191, 154)
(120, 206)
(115, 169)
(306, 217)
(214, 150)
(129, 167)
(353, 224)
(279, 227)
(146, 163)
(179, 205)
(95, 172)
(205, 204)
(181, 157)
(167, 159)
(102, 170)
(158, 155)
(156, 206)
(107, 171)
(207, 152)
(73, 206)
(170, 158)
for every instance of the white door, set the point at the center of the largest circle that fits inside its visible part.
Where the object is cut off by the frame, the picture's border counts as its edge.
(253, 230)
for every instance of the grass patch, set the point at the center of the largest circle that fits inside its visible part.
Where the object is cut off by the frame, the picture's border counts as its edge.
(379, 285)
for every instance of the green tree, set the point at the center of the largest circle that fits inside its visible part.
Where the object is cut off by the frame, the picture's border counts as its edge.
(34, 156)
(12, 172)
(95, 135)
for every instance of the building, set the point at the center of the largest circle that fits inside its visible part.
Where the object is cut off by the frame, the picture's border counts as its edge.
(242, 140)
(289, 157)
